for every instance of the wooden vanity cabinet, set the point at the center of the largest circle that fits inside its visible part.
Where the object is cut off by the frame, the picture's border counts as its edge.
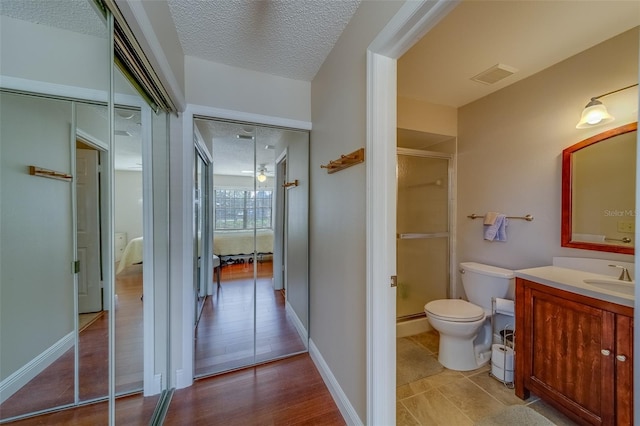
(574, 352)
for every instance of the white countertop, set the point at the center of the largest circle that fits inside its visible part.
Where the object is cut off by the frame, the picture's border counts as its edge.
(572, 280)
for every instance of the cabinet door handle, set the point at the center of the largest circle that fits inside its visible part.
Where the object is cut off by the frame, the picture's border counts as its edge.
(605, 352)
(621, 358)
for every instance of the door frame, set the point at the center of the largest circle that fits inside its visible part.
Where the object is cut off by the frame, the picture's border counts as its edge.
(183, 338)
(205, 262)
(411, 22)
(280, 228)
(100, 211)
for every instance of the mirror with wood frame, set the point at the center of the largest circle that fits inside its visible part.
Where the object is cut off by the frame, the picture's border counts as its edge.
(598, 192)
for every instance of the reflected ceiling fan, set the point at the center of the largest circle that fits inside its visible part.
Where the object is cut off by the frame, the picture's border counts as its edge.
(261, 173)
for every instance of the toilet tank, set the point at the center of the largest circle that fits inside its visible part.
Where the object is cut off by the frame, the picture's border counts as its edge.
(482, 282)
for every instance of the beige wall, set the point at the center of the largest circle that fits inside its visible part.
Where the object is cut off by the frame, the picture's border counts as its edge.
(423, 116)
(337, 204)
(509, 152)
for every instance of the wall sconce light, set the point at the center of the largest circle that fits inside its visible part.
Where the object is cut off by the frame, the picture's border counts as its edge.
(595, 113)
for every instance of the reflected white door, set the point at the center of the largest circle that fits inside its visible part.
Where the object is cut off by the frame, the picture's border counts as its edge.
(88, 231)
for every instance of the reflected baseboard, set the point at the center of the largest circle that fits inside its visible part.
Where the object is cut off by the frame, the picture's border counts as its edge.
(37, 365)
(85, 320)
(302, 331)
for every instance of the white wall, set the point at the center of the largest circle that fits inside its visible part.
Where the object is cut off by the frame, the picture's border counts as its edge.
(337, 204)
(510, 145)
(53, 55)
(128, 203)
(36, 284)
(221, 86)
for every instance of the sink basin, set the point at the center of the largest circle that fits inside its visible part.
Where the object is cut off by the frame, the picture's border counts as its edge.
(624, 287)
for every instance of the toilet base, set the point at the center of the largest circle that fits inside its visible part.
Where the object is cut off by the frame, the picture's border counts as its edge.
(461, 354)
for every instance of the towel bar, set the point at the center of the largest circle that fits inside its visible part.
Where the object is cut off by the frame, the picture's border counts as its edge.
(528, 217)
(625, 240)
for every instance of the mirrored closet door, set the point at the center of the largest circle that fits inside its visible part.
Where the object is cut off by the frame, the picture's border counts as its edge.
(256, 309)
(50, 255)
(74, 328)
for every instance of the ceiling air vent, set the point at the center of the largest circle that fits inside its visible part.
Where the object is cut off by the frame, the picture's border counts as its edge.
(494, 74)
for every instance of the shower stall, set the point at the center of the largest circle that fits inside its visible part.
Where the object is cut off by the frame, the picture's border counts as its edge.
(423, 230)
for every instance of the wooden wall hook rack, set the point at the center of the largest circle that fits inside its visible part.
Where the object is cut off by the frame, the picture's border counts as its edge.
(344, 161)
(290, 184)
(39, 171)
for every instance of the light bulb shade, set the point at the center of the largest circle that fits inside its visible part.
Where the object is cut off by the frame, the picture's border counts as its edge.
(261, 177)
(594, 114)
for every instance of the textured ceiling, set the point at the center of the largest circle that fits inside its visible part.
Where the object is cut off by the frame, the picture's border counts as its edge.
(288, 38)
(235, 156)
(84, 18)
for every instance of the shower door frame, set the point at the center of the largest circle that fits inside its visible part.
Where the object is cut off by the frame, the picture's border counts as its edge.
(450, 215)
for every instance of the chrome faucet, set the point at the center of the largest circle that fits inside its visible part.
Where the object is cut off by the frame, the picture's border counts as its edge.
(624, 275)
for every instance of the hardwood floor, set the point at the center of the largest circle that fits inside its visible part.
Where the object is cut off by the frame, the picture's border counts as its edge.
(224, 336)
(54, 387)
(285, 392)
(289, 391)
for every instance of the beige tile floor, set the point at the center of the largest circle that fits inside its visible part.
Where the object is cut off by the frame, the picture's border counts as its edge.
(459, 398)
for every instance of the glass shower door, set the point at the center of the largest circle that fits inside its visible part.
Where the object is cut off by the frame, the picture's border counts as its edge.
(423, 230)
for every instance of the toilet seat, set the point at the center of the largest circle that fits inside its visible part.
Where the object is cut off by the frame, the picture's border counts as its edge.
(454, 310)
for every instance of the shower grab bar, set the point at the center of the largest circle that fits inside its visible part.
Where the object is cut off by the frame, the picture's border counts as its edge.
(528, 217)
(625, 240)
(418, 236)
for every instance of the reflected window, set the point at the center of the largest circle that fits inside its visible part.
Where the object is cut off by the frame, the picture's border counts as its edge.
(240, 209)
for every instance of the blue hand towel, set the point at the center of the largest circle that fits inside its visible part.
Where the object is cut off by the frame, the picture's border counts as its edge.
(498, 230)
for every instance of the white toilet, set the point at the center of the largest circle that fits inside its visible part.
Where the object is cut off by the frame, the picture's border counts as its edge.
(465, 327)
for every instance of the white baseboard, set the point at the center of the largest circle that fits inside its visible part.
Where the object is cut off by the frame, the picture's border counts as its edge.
(23, 375)
(302, 332)
(346, 409)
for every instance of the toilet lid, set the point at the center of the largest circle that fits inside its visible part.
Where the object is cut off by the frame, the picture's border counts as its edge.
(454, 310)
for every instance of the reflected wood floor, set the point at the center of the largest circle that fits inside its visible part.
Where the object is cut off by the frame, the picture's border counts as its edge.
(130, 410)
(224, 336)
(54, 386)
